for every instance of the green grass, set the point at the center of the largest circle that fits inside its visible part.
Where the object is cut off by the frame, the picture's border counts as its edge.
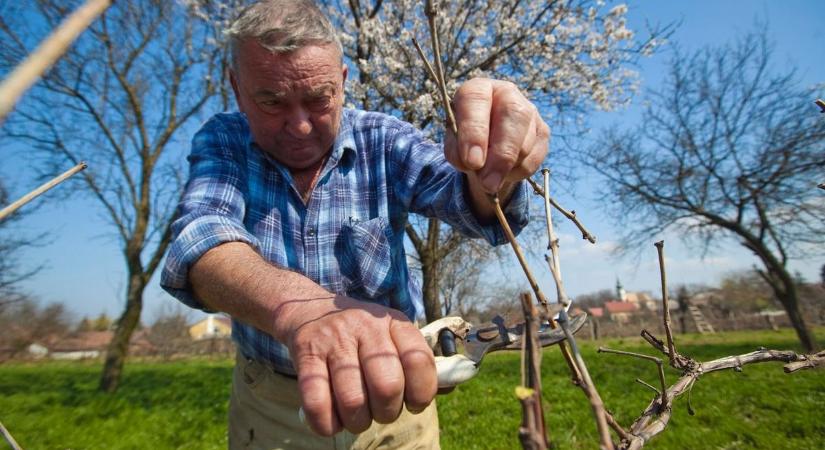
(183, 405)
(158, 406)
(761, 407)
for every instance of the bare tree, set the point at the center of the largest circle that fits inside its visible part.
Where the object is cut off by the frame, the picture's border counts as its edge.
(729, 148)
(169, 332)
(119, 100)
(12, 242)
(570, 57)
(24, 322)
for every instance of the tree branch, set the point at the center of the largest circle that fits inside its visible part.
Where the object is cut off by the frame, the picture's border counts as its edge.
(571, 215)
(52, 48)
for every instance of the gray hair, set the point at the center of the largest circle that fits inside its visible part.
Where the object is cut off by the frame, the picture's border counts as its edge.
(281, 26)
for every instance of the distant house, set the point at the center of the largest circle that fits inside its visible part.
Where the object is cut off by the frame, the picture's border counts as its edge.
(596, 312)
(213, 326)
(81, 345)
(92, 344)
(620, 311)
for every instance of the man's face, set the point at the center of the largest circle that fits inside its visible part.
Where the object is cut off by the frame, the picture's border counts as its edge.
(293, 101)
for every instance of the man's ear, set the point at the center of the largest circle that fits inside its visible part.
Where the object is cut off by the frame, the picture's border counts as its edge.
(233, 80)
(344, 72)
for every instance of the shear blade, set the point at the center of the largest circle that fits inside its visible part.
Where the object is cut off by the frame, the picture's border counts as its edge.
(484, 340)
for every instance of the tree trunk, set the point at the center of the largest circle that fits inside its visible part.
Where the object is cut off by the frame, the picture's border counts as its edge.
(785, 290)
(119, 346)
(791, 303)
(430, 263)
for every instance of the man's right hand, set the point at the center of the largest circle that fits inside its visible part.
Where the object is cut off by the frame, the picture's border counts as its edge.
(356, 362)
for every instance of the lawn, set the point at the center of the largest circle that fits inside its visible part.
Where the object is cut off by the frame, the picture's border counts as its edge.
(183, 404)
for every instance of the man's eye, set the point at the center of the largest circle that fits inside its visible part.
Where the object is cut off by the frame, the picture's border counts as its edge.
(319, 102)
(270, 103)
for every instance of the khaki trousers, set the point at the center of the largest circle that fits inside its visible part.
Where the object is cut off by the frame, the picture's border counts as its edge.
(263, 415)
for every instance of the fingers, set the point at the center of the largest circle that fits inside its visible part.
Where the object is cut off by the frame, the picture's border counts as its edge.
(472, 105)
(512, 116)
(501, 135)
(420, 381)
(354, 368)
(316, 395)
(384, 377)
(349, 389)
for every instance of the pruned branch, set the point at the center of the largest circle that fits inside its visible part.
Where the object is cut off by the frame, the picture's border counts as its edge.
(655, 418)
(40, 190)
(671, 349)
(29, 71)
(571, 215)
(806, 362)
(658, 362)
(9, 438)
(532, 432)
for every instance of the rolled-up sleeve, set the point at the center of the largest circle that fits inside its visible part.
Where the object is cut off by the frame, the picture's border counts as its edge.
(212, 209)
(430, 186)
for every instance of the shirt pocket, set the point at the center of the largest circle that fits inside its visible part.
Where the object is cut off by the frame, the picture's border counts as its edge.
(366, 258)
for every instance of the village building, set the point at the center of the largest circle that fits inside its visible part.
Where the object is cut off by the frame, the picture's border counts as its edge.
(211, 327)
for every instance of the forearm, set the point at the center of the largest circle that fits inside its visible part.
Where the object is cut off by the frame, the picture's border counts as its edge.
(234, 279)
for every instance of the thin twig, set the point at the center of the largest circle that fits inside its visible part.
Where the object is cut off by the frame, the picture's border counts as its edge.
(547, 212)
(520, 255)
(554, 261)
(40, 190)
(533, 432)
(596, 403)
(9, 438)
(571, 215)
(432, 14)
(660, 248)
(682, 362)
(427, 65)
(656, 360)
(53, 47)
(648, 385)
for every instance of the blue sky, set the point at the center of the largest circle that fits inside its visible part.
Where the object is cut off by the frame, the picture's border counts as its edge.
(84, 268)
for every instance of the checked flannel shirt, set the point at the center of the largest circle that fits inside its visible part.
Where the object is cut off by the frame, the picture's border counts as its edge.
(349, 236)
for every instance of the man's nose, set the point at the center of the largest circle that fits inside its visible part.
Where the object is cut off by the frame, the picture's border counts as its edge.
(298, 123)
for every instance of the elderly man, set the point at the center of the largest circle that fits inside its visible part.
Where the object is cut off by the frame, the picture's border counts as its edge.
(293, 223)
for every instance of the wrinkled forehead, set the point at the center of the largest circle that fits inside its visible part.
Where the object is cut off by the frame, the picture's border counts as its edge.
(311, 68)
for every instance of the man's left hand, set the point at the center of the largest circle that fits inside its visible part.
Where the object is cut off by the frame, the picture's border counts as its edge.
(501, 136)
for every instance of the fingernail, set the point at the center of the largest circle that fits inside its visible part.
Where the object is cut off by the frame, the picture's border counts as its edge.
(475, 157)
(491, 182)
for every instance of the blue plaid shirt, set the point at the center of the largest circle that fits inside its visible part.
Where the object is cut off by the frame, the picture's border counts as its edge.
(349, 237)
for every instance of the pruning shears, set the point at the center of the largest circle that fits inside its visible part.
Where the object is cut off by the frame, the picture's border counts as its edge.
(455, 368)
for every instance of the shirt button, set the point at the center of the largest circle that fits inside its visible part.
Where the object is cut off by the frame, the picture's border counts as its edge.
(311, 232)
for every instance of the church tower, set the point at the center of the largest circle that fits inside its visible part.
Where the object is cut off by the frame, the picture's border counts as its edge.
(620, 292)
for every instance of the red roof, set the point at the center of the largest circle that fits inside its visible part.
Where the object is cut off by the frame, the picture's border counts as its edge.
(83, 341)
(596, 312)
(620, 307)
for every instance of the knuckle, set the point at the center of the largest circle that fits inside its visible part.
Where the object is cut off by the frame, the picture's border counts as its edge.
(518, 108)
(419, 401)
(505, 154)
(473, 128)
(418, 358)
(386, 387)
(351, 399)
